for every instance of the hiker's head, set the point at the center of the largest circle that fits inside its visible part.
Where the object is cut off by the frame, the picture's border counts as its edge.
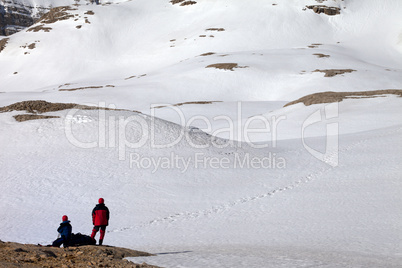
(101, 201)
(64, 218)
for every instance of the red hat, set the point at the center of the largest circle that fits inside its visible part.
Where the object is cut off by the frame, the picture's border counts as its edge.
(101, 201)
(64, 218)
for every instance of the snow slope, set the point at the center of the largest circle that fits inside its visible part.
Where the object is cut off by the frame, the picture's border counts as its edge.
(165, 41)
(305, 210)
(210, 200)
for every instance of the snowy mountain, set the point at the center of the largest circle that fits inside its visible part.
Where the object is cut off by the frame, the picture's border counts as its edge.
(209, 129)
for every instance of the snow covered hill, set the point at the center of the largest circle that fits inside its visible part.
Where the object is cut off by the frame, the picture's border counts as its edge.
(192, 145)
(154, 52)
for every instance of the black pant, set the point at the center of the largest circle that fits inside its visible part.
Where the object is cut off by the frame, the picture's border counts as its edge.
(59, 241)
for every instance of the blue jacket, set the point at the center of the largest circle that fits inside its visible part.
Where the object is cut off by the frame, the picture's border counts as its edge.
(65, 230)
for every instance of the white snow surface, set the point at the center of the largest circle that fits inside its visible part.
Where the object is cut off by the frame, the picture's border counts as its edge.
(194, 203)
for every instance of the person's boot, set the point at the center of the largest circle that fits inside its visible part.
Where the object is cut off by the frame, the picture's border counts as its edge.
(100, 242)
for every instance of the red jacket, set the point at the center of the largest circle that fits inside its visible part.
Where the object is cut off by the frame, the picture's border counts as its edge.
(100, 215)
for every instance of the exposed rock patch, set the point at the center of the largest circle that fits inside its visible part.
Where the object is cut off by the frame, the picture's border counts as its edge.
(56, 14)
(39, 28)
(330, 97)
(225, 66)
(320, 55)
(174, 2)
(183, 2)
(330, 11)
(333, 72)
(3, 43)
(314, 45)
(26, 117)
(188, 3)
(21, 255)
(189, 102)
(207, 54)
(41, 106)
(35, 107)
(215, 29)
(78, 88)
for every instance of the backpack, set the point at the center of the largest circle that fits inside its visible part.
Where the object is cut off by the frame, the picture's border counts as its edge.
(79, 239)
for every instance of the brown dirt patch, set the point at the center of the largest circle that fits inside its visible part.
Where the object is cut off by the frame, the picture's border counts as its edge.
(39, 28)
(208, 54)
(215, 29)
(333, 72)
(174, 2)
(330, 97)
(56, 14)
(330, 11)
(36, 107)
(23, 255)
(189, 102)
(188, 3)
(32, 46)
(225, 66)
(314, 45)
(26, 117)
(41, 106)
(89, 12)
(3, 43)
(320, 55)
(78, 88)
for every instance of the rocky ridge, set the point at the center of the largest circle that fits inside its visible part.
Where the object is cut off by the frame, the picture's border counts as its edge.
(24, 255)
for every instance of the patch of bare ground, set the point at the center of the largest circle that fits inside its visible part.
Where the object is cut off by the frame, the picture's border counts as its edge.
(35, 107)
(41, 106)
(333, 72)
(56, 14)
(314, 45)
(330, 11)
(330, 97)
(78, 88)
(207, 54)
(215, 29)
(225, 66)
(174, 2)
(39, 28)
(320, 55)
(188, 3)
(134, 76)
(89, 12)
(26, 117)
(3, 43)
(189, 102)
(24, 255)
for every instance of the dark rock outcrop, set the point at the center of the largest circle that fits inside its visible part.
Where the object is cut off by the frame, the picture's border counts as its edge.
(331, 11)
(15, 17)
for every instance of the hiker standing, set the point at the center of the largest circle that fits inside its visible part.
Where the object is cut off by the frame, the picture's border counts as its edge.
(64, 230)
(100, 219)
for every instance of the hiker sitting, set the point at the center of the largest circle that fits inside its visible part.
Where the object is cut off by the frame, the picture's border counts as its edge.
(64, 230)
